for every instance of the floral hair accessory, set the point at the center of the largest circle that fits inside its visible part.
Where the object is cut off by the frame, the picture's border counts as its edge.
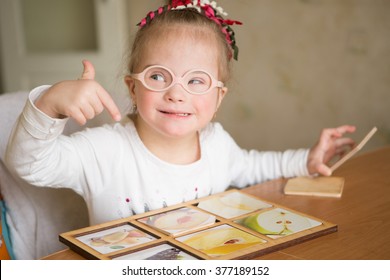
(208, 9)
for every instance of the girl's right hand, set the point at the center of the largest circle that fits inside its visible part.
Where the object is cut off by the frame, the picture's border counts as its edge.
(81, 99)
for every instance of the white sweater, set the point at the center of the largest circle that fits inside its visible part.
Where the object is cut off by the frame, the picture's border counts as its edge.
(118, 176)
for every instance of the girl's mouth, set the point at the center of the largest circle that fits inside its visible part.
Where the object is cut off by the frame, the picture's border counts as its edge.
(175, 114)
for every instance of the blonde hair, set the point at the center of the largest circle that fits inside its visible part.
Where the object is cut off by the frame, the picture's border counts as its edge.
(196, 22)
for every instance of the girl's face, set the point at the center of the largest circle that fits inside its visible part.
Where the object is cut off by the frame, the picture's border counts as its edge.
(175, 112)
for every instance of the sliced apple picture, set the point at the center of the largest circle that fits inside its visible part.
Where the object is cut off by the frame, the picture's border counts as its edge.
(221, 240)
(278, 222)
(179, 220)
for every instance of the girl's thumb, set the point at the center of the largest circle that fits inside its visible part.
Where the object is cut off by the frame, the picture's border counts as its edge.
(89, 71)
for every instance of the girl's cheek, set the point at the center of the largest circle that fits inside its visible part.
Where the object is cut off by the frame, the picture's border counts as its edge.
(208, 105)
(145, 100)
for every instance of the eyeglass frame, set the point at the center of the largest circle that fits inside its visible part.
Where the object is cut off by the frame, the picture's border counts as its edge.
(177, 80)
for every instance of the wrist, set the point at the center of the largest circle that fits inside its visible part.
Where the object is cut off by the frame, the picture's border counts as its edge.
(42, 103)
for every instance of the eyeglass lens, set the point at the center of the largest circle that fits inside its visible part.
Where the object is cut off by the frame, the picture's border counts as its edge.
(158, 78)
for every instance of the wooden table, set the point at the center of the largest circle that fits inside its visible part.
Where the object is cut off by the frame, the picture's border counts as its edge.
(362, 213)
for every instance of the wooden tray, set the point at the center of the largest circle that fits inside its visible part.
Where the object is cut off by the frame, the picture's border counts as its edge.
(229, 225)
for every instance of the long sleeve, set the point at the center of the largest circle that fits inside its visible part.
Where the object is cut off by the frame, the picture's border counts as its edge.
(37, 148)
(256, 167)
(247, 167)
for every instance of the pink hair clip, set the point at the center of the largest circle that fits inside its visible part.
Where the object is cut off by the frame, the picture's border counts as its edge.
(205, 7)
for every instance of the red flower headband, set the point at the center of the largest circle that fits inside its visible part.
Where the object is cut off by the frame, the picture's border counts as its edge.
(205, 7)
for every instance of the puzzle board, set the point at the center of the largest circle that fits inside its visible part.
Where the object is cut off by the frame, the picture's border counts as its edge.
(229, 225)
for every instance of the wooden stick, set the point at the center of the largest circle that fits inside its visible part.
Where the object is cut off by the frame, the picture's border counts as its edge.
(354, 150)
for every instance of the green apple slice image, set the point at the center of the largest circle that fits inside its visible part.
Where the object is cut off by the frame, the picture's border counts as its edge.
(277, 222)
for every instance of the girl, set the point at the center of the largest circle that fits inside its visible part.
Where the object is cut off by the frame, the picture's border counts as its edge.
(168, 151)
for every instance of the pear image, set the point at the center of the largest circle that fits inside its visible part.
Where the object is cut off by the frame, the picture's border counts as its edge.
(222, 240)
(109, 238)
(115, 237)
(277, 222)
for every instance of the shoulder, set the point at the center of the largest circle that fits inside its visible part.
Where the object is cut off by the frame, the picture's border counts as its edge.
(211, 130)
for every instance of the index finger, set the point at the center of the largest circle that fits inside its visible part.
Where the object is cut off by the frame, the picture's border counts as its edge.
(346, 129)
(109, 104)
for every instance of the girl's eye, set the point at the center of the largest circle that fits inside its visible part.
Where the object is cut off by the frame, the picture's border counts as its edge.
(158, 77)
(195, 82)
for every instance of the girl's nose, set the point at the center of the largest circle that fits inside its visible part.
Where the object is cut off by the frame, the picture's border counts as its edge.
(176, 94)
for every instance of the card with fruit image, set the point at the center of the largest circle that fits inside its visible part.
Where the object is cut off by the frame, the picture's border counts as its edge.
(179, 221)
(115, 239)
(232, 204)
(278, 222)
(159, 252)
(221, 240)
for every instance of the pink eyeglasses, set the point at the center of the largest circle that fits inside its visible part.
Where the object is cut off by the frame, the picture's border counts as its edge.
(159, 78)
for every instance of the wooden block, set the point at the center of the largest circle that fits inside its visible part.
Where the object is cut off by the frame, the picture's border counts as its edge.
(316, 186)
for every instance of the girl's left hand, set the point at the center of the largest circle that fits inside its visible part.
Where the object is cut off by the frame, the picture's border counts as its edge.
(330, 144)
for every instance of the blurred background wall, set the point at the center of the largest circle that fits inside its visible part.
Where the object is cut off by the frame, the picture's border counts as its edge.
(309, 64)
(303, 65)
